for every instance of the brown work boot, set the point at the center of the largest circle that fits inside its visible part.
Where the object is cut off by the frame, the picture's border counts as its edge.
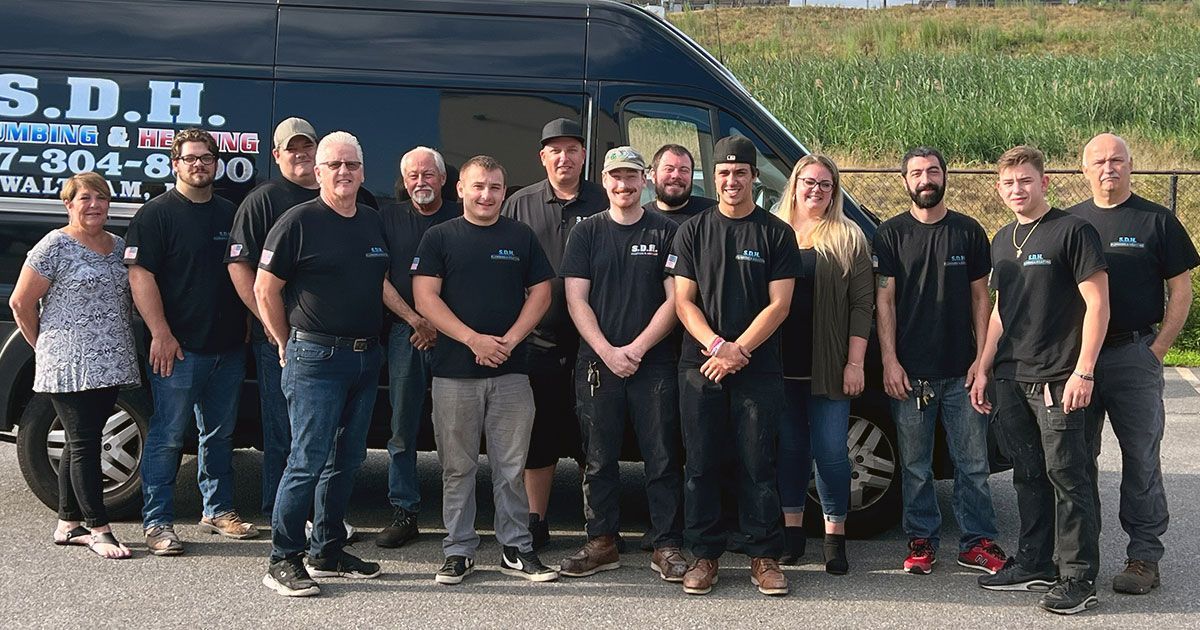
(229, 525)
(1138, 578)
(597, 554)
(765, 574)
(669, 563)
(700, 578)
(161, 540)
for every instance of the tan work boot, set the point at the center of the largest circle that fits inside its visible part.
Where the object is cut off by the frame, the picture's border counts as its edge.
(1138, 578)
(669, 563)
(598, 554)
(765, 574)
(229, 525)
(161, 540)
(700, 578)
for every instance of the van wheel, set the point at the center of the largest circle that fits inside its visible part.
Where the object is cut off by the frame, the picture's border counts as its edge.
(875, 502)
(41, 440)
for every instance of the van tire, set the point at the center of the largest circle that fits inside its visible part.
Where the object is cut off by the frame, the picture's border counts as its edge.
(122, 495)
(874, 454)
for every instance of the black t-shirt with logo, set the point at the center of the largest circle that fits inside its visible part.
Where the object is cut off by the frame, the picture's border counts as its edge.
(625, 264)
(485, 271)
(1040, 305)
(1144, 244)
(255, 218)
(552, 220)
(798, 327)
(334, 268)
(933, 266)
(403, 226)
(733, 262)
(183, 244)
(695, 205)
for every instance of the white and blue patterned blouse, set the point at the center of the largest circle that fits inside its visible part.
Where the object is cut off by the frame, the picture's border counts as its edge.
(85, 338)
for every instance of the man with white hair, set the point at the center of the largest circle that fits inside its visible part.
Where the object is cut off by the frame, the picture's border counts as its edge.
(410, 342)
(320, 293)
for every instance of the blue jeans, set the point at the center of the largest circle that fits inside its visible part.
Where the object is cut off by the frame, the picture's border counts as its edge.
(277, 432)
(814, 428)
(204, 387)
(967, 441)
(331, 395)
(408, 383)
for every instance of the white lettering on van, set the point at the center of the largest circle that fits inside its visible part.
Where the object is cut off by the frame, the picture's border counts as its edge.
(93, 98)
(15, 101)
(164, 98)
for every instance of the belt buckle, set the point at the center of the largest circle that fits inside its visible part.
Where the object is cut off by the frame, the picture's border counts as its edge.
(360, 345)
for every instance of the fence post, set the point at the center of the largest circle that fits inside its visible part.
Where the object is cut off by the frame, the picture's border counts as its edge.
(1173, 193)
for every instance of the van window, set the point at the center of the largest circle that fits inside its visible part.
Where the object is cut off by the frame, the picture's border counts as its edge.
(390, 120)
(651, 124)
(773, 172)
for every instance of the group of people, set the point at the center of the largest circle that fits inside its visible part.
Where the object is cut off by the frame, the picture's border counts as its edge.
(731, 338)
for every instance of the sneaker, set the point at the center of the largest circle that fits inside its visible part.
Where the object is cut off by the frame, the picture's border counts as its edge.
(669, 563)
(1138, 578)
(229, 525)
(161, 540)
(345, 565)
(350, 531)
(1070, 596)
(984, 556)
(540, 530)
(289, 578)
(597, 554)
(525, 564)
(1013, 578)
(403, 529)
(700, 578)
(454, 570)
(765, 574)
(920, 558)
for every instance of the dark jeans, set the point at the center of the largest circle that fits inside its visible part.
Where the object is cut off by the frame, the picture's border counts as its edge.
(740, 414)
(649, 399)
(1052, 474)
(331, 395)
(1129, 387)
(408, 384)
(277, 430)
(814, 428)
(555, 433)
(80, 482)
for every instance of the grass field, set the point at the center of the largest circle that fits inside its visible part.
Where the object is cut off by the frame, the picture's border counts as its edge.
(864, 85)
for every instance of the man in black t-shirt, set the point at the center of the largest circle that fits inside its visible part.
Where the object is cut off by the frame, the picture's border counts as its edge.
(412, 337)
(1043, 337)
(932, 307)
(734, 268)
(623, 305)
(320, 294)
(295, 145)
(553, 207)
(671, 171)
(197, 327)
(1145, 245)
(484, 282)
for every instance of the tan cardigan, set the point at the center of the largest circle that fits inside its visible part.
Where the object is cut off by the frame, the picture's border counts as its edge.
(842, 307)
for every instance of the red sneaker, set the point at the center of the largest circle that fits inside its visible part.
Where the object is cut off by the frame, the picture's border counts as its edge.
(920, 557)
(985, 556)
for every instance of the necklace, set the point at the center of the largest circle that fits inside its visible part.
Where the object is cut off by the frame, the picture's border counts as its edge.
(1026, 240)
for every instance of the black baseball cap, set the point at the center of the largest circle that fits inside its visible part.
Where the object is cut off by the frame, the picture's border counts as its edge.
(737, 149)
(561, 128)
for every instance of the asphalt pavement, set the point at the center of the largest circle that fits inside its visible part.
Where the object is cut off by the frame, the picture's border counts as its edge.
(217, 582)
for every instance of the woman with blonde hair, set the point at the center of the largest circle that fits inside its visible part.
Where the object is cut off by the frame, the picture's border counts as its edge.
(83, 349)
(834, 295)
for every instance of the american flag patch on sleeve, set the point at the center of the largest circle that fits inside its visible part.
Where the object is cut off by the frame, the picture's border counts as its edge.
(130, 254)
(235, 250)
(671, 260)
(267, 255)
(416, 261)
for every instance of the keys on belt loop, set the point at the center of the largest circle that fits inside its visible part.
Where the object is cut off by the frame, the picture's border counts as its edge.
(924, 394)
(593, 377)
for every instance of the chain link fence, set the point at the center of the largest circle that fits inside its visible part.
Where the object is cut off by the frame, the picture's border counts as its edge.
(973, 192)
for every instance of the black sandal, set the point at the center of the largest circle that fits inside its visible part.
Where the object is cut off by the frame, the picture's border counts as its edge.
(73, 536)
(106, 539)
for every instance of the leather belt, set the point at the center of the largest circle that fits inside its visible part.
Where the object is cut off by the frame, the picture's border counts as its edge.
(1114, 340)
(360, 344)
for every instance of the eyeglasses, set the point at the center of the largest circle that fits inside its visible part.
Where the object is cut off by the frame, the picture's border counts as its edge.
(337, 165)
(824, 184)
(207, 159)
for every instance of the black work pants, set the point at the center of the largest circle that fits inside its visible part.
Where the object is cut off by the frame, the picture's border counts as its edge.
(80, 481)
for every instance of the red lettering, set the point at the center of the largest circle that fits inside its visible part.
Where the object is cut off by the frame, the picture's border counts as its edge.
(249, 143)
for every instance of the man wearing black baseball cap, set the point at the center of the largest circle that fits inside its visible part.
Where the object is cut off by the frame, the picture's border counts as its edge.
(734, 272)
(553, 207)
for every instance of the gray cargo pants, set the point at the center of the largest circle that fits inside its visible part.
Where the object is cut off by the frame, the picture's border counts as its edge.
(464, 409)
